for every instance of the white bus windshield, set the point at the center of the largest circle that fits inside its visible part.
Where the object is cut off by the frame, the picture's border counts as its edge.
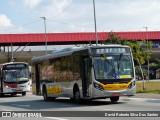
(15, 75)
(113, 67)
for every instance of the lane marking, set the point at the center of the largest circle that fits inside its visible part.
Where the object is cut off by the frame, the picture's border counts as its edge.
(6, 110)
(55, 118)
(114, 109)
(20, 105)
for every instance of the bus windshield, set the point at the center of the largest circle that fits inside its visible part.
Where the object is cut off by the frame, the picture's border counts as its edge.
(118, 66)
(13, 75)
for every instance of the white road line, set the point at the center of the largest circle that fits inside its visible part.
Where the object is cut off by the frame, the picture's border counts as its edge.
(20, 105)
(55, 118)
(6, 110)
(114, 109)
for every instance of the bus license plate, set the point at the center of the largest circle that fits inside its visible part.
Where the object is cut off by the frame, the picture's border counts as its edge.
(116, 94)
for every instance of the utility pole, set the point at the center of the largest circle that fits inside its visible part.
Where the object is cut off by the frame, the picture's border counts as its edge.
(45, 36)
(95, 25)
(147, 49)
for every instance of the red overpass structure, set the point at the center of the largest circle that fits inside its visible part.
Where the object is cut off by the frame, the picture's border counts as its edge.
(32, 39)
(37, 39)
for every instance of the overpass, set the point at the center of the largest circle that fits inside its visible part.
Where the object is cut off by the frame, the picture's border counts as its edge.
(71, 38)
(36, 39)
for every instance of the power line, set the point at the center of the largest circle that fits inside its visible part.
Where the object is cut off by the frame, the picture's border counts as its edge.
(92, 27)
(39, 20)
(19, 26)
(67, 23)
(63, 10)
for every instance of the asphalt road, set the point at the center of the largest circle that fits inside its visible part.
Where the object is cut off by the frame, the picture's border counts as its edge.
(31, 105)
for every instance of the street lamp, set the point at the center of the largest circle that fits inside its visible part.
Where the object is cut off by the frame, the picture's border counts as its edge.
(147, 48)
(45, 36)
(95, 22)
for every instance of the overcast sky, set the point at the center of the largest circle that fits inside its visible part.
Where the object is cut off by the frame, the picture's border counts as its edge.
(23, 16)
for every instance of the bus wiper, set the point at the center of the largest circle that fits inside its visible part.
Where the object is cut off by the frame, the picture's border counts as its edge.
(120, 56)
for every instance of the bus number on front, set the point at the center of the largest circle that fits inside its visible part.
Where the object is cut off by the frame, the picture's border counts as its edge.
(110, 50)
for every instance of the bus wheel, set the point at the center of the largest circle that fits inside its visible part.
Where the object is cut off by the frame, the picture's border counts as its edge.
(23, 93)
(72, 99)
(45, 96)
(114, 99)
(77, 98)
(1, 94)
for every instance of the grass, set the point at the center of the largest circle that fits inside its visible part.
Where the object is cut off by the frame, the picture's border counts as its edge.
(150, 87)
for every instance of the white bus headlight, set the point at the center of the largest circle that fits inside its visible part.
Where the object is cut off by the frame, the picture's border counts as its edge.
(7, 85)
(98, 86)
(132, 84)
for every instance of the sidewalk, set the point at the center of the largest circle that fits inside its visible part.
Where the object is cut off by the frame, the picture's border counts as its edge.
(147, 95)
(144, 97)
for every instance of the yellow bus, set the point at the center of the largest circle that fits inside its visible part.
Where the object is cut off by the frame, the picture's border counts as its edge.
(85, 73)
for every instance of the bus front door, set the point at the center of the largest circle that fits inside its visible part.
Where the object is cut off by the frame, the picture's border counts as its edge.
(86, 74)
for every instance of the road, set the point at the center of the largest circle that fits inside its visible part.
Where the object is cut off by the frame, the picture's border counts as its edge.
(32, 103)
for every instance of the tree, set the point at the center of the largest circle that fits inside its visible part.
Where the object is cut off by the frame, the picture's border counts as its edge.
(115, 39)
(155, 65)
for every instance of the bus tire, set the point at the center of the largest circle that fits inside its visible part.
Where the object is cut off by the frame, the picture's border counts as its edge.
(23, 93)
(114, 99)
(76, 93)
(45, 95)
(72, 99)
(1, 94)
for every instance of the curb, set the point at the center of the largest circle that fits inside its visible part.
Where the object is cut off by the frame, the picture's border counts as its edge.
(142, 100)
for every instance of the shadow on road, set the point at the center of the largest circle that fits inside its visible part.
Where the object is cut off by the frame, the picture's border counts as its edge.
(52, 105)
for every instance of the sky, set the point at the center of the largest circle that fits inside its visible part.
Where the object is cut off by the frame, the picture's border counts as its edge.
(24, 16)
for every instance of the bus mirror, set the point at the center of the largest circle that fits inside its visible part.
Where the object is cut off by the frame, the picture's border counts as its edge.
(30, 75)
(103, 57)
(107, 59)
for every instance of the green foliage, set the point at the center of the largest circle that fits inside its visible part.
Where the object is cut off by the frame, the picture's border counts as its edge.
(138, 71)
(115, 39)
(155, 65)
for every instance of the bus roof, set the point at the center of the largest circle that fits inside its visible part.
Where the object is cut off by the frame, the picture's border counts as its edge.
(12, 63)
(71, 50)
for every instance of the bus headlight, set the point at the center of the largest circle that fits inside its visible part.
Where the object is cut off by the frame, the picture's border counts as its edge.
(132, 85)
(7, 86)
(98, 86)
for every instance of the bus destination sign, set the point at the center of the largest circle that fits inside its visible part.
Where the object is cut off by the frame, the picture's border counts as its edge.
(110, 50)
(14, 66)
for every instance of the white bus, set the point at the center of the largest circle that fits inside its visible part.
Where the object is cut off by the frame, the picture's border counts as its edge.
(85, 73)
(15, 78)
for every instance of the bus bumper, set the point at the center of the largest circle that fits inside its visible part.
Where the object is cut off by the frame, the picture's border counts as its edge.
(112, 93)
